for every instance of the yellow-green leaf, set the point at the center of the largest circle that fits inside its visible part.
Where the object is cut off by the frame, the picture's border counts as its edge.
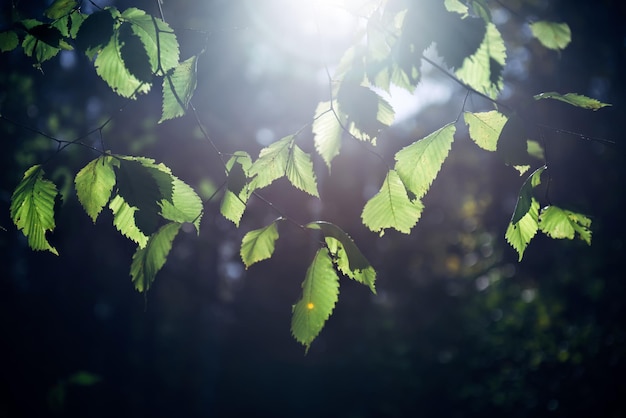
(327, 132)
(94, 184)
(178, 87)
(573, 99)
(560, 223)
(520, 233)
(124, 220)
(552, 35)
(259, 244)
(485, 128)
(147, 261)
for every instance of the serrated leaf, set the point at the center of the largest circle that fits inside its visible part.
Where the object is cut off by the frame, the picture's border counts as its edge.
(560, 223)
(485, 128)
(418, 164)
(366, 112)
(124, 220)
(32, 208)
(327, 132)
(157, 37)
(552, 35)
(96, 31)
(391, 207)
(520, 234)
(178, 88)
(70, 24)
(41, 42)
(525, 198)
(348, 258)
(184, 206)
(272, 162)
(259, 244)
(232, 207)
(300, 172)
(133, 53)
(320, 291)
(238, 191)
(482, 70)
(147, 261)
(60, 8)
(8, 41)
(573, 99)
(94, 184)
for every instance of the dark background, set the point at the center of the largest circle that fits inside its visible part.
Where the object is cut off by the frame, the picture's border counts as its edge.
(458, 327)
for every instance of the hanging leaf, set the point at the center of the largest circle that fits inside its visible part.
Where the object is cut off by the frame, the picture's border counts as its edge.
(60, 8)
(70, 24)
(96, 31)
(272, 163)
(300, 172)
(32, 208)
(552, 35)
(366, 112)
(147, 261)
(520, 234)
(391, 207)
(485, 128)
(42, 41)
(320, 291)
(8, 41)
(94, 184)
(124, 220)
(560, 223)
(259, 244)
(327, 132)
(574, 99)
(178, 88)
(524, 199)
(418, 164)
(184, 206)
(134, 54)
(238, 192)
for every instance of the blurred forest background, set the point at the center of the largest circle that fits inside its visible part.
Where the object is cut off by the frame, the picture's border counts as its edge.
(458, 328)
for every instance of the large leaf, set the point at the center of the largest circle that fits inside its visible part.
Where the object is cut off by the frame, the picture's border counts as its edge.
(178, 87)
(524, 199)
(560, 223)
(552, 35)
(391, 207)
(32, 208)
(147, 261)
(327, 132)
(184, 206)
(259, 244)
(272, 162)
(94, 184)
(124, 220)
(320, 291)
(418, 164)
(485, 128)
(300, 172)
(574, 99)
(96, 31)
(520, 233)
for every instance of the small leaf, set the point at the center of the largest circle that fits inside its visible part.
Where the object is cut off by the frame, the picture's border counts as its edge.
(124, 220)
(147, 261)
(8, 41)
(178, 88)
(574, 99)
(259, 244)
(418, 164)
(320, 291)
(300, 172)
(94, 184)
(391, 207)
(559, 223)
(520, 234)
(524, 199)
(485, 128)
(60, 8)
(32, 208)
(327, 132)
(552, 35)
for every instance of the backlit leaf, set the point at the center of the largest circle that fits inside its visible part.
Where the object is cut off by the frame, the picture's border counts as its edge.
(327, 132)
(300, 172)
(366, 112)
(96, 31)
(560, 223)
(94, 184)
(32, 208)
(272, 162)
(391, 207)
(418, 164)
(259, 244)
(524, 199)
(520, 234)
(60, 8)
(42, 41)
(178, 87)
(147, 261)
(238, 191)
(457, 7)
(320, 291)
(552, 35)
(574, 99)
(124, 220)
(184, 206)
(485, 128)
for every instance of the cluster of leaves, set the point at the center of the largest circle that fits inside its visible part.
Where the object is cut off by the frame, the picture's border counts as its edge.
(131, 48)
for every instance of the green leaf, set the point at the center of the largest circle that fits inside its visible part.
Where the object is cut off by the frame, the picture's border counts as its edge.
(94, 184)
(418, 164)
(157, 37)
(391, 207)
(482, 70)
(124, 220)
(366, 112)
(238, 191)
(84, 379)
(184, 206)
(560, 223)
(272, 162)
(320, 291)
(96, 31)
(259, 244)
(70, 24)
(525, 197)
(178, 88)
(574, 99)
(348, 258)
(327, 132)
(133, 53)
(485, 128)
(32, 208)
(457, 7)
(42, 41)
(8, 41)
(520, 234)
(552, 35)
(60, 8)
(147, 261)
(300, 172)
